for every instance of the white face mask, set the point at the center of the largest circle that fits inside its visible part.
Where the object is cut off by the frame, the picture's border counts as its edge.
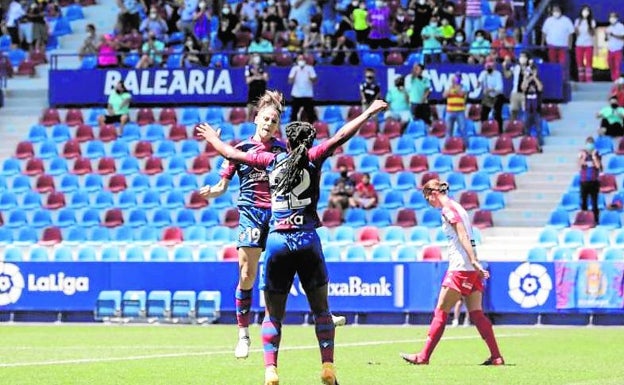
(301, 63)
(422, 2)
(557, 14)
(613, 20)
(271, 3)
(523, 60)
(459, 38)
(257, 60)
(153, 16)
(202, 5)
(226, 11)
(585, 13)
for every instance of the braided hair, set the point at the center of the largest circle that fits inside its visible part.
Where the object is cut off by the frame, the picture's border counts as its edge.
(300, 136)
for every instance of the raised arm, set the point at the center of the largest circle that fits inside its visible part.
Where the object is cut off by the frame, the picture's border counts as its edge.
(258, 160)
(347, 131)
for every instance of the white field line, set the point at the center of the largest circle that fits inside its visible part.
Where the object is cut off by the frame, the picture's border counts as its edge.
(211, 353)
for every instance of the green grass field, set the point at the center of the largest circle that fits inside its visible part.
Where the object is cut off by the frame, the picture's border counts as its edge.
(365, 355)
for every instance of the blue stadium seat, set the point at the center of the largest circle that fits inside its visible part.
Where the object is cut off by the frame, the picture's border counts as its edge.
(17, 218)
(133, 304)
(393, 235)
(598, 238)
(63, 254)
(87, 254)
(31, 201)
(58, 166)
(393, 200)
(26, 235)
(161, 218)
(456, 181)
(60, 133)
(188, 183)
(573, 238)
(131, 132)
(381, 181)
(212, 178)
(570, 201)
(575, 185)
(407, 253)
(234, 185)
(159, 304)
(74, 12)
(209, 217)
(517, 164)
(165, 149)
(604, 145)
(355, 253)
(208, 254)
(208, 306)
(404, 146)
(16, 56)
(380, 217)
(562, 254)
(430, 146)
(176, 165)
(79, 200)
(137, 217)
(140, 183)
(332, 253)
(415, 129)
(155, 132)
(369, 164)
(559, 219)
(414, 58)
(62, 27)
(41, 219)
(344, 235)
(328, 179)
(94, 113)
(21, 184)
(129, 166)
(190, 116)
(37, 134)
(246, 130)
(183, 304)
(174, 200)
(537, 254)
(111, 254)
(126, 199)
(39, 254)
(324, 235)
(416, 201)
(494, 201)
(174, 60)
(47, 149)
(108, 304)
(76, 235)
(548, 237)
(99, 235)
(95, 150)
(613, 254)
(6, 235)
(8, 201)
(164, 182)
(119, 149)
(3, 184)
(214, 116)
(615, 166)
(356, 146)
(223, 201)
(355, 217)
(227, 131)
(219, 235)
(185, 218)
(11, 167)
(491, 23)
(5, 43)
(93, 183)
(609, 220)
(189, 148)
(135, 254)
(103, 200)
(12, 254)
(480, 182)
(442, 164)
(370, 59)
(431, 218)
(333, 114)
(159, 254)
(183, 254)
(381, 253)
(478, 145)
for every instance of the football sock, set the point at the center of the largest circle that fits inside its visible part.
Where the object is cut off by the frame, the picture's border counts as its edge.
(271, 336)
(436, 329)
(243, 305)
(484, 326)
(325, 333)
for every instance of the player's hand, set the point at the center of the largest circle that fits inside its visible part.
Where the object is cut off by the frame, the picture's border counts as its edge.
(206, 131)
(482, 272)
(205, 191)
(377, 106)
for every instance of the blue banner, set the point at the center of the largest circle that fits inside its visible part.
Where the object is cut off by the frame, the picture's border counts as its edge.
(590, 285)
(336, 84)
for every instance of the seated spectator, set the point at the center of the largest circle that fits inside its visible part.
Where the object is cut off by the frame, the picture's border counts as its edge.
(293, 37)
(186, 11)
(270, 22)
(344, 52)
(152, 52)
(117, 108)
(107, 52)
(261, 45)
(53, 10)
(229, 24)
(249, 12)
(129, 17)
(342, 192)
(617, 90)
(313, 40)
(447, 30)
(201, 26)
(154, 24)
(129, 42)
(90, 44)
(457, 48)
(503, 46)
(479, 49)
(365, 196)
(612, 119)
(379, 21)
(191, 55)
(432, 47)
(398, 101)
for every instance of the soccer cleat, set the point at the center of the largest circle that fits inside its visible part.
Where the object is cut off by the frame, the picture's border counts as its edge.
(455, 322)
(242, 347)
(328, 374)
(270, 376)
(339, 320)
(414, 359)
(498, 361)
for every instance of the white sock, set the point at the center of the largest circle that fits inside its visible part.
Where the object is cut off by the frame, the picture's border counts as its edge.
(243, 332)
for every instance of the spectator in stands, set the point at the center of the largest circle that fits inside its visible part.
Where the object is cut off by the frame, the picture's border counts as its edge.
(474, 18)
(201, 27)
(446, 31)
(432, 37)
(400, 28)
(612, 118)
(313, 40)
(617, 90)
(517, 72)
(457, 48)
(186, 11)
(532, 87)
(344, 52)
(154, 24)
(152, 52)
(261, 45)
(36, 14)
(344, 22)
(191, 55)
(398, 101)
(585, 30)
(379, 21)
(107, 52)
(419, 87)
(90, 44)
(343, 190)
(491, 82)
(456, 95)
(359, 17)
(369, 88)
(365, 196)
(302, 76)
(13, 15)
(256, 78)
(615, 42)
(503, 46)
(480, 49)
(447, 12)
(590, 165)
(117, 108)
(249, 12)
(301, 10)
(129, 17)
(25, 28)
(293, 36)
(229, 24)
(557, 35)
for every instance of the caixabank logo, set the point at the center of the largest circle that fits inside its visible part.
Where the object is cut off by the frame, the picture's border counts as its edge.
(11, 283)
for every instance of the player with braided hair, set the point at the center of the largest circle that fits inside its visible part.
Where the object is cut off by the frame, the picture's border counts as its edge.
(463, 278)
(293, 246)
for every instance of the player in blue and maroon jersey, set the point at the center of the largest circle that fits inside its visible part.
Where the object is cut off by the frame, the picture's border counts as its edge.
(293, 246)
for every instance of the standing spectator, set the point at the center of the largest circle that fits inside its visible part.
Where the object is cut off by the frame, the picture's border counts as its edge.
(585, 29)
(186, 12)
(503, 46)
(302, 76)
(474, 18)
(398, 101)
(517, 72)
(557, 35)
(154, 24)
(612, 118)
(344, 52)
(419, 87)
(456, 96)
(379, 21)
(422, 17)
(229, 24)
(457, 48)
(152, 52)
(491, 82)
(26, 28)
(107, 52)
(447, 12)
(201, 27)
(13, 15)
(400, 27)
(293, 37)
(117, 108)
(532, 87)
(617, 91)
(590, 166)
(313, 40)
(360, 22)
(301, 10)
(342, 192)
(129, 17)
(432, 47)
(90, 44)
(256, 78)
(446, 30)
(369, 88)
(271, 22)
(480, 49)
(365, 196)
(615, 43)
(39, 26)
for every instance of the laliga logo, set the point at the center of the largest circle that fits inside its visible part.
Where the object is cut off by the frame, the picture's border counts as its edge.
(530, 285)
(11, 283)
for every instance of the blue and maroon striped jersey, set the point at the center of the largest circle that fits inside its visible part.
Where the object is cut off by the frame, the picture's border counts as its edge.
(589, 172)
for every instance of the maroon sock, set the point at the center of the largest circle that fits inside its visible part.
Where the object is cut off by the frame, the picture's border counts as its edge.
(484, 326)
(436, 329)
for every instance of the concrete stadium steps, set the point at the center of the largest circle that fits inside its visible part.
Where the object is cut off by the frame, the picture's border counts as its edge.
(506, 243)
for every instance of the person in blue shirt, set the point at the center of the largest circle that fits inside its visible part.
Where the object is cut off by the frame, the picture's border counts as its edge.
(293, 246)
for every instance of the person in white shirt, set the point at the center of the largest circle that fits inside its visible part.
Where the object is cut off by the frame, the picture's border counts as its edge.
(302, 76)
(585, 28)
(491, 82)
(615, 42)
(14, 13)
(517, 72)
(557, 35)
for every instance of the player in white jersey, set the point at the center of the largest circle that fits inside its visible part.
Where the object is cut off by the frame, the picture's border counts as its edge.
(463, 278)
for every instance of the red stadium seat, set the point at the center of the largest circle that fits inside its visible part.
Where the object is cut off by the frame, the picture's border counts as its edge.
(369, 129)
(143, 149)
(26, 68)
(406, 218)
(474, 112)
(490, 128)
(243, 38)
(426, 177)
(55, 201)
(38, 57)
(354, 111)
(108, 133)
(482, 219)
(51, 236)
(587, 254)
(369, 236)
(469, 200)
(381, 145)
(515, 128)
(584, 220)
(84, 133)
(82, 166)
(394, 163)
(172, 236)
(620, 147)
(346, 161)
(201, 165)
(239, 60)
(210, 150)
(145, 116)
(467, 164)
(117, 183)
(1, 220)
(71, 149)
(528, 146)
(177, 133)
(431, 253)
(167, 116)
(74, 117)
(357, 177)
(332, 218)
(309, 58)
(34, 167)
(322, 129)
(453, 145)
(113, 218)
(231, 218)
(438, 128)
(505, 182)
(283, 59)
(418, 163)
(394, 59)
(24, 150)
(45, 184)
(550, 112)
(503, 146)
(608, 184)
(153, 166)
(50, 117)
(106, 166)
(503, 8)
(230, 254)
(238, 115)
(392, 128)
(196, 201)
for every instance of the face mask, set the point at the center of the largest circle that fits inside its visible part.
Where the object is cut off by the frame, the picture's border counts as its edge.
(225, 11)
(614, 105)
(355, 3)
(589, 147)
(271, 3)
(257, 60)
(344, 174)
(619, 81)
(523, 60)
(557, 14)
(459, 39)
(153, 16)
(189, 44)
(433, 24)
(585, 13)
(490, 70)
(422, 2)
(479, 39)
(613, 20)
(301, 63)
(202, 5)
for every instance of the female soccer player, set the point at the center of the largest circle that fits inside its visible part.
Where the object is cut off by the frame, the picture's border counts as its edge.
(293, 246)
(463, 278)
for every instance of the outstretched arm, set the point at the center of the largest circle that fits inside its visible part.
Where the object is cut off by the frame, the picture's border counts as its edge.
(218, 189)
(258, 160)
(347, 131)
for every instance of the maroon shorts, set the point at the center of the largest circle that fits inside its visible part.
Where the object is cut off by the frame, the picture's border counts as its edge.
(465, 282)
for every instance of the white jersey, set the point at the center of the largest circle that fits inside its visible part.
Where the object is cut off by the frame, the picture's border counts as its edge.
(453, 213)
